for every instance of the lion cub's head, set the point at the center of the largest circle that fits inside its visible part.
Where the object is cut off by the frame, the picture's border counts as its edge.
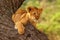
(34, 12)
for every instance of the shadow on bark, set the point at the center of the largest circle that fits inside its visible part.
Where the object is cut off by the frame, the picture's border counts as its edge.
(7, 31)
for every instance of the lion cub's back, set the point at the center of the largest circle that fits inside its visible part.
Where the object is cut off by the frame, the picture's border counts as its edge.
(18, 14)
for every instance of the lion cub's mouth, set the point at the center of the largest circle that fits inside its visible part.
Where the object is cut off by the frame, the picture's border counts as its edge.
(35, 20)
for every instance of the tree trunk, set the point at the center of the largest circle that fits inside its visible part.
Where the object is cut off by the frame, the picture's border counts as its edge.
(7, 31)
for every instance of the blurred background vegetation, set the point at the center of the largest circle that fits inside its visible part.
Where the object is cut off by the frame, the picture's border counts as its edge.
(50, 18)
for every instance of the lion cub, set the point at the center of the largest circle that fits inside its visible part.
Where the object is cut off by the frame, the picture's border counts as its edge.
(21, 17)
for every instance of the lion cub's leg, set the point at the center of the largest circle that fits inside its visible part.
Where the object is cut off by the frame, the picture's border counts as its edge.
(20, 27)
(33, 23)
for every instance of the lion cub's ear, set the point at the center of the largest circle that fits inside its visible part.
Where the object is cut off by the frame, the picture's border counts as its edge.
(40, 10)
(30, 9)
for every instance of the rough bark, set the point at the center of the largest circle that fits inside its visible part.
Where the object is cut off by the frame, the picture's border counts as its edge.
(7, 31)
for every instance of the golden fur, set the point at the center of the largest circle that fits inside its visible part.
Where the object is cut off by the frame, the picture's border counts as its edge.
(21, 17)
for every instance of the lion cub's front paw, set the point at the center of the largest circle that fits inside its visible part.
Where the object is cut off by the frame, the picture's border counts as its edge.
(16, 27)
(21, 30)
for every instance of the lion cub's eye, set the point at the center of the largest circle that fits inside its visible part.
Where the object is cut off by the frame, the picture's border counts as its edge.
(34, 13)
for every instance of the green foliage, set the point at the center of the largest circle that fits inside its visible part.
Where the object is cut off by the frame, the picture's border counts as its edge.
(30, 3)
(50, 18)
